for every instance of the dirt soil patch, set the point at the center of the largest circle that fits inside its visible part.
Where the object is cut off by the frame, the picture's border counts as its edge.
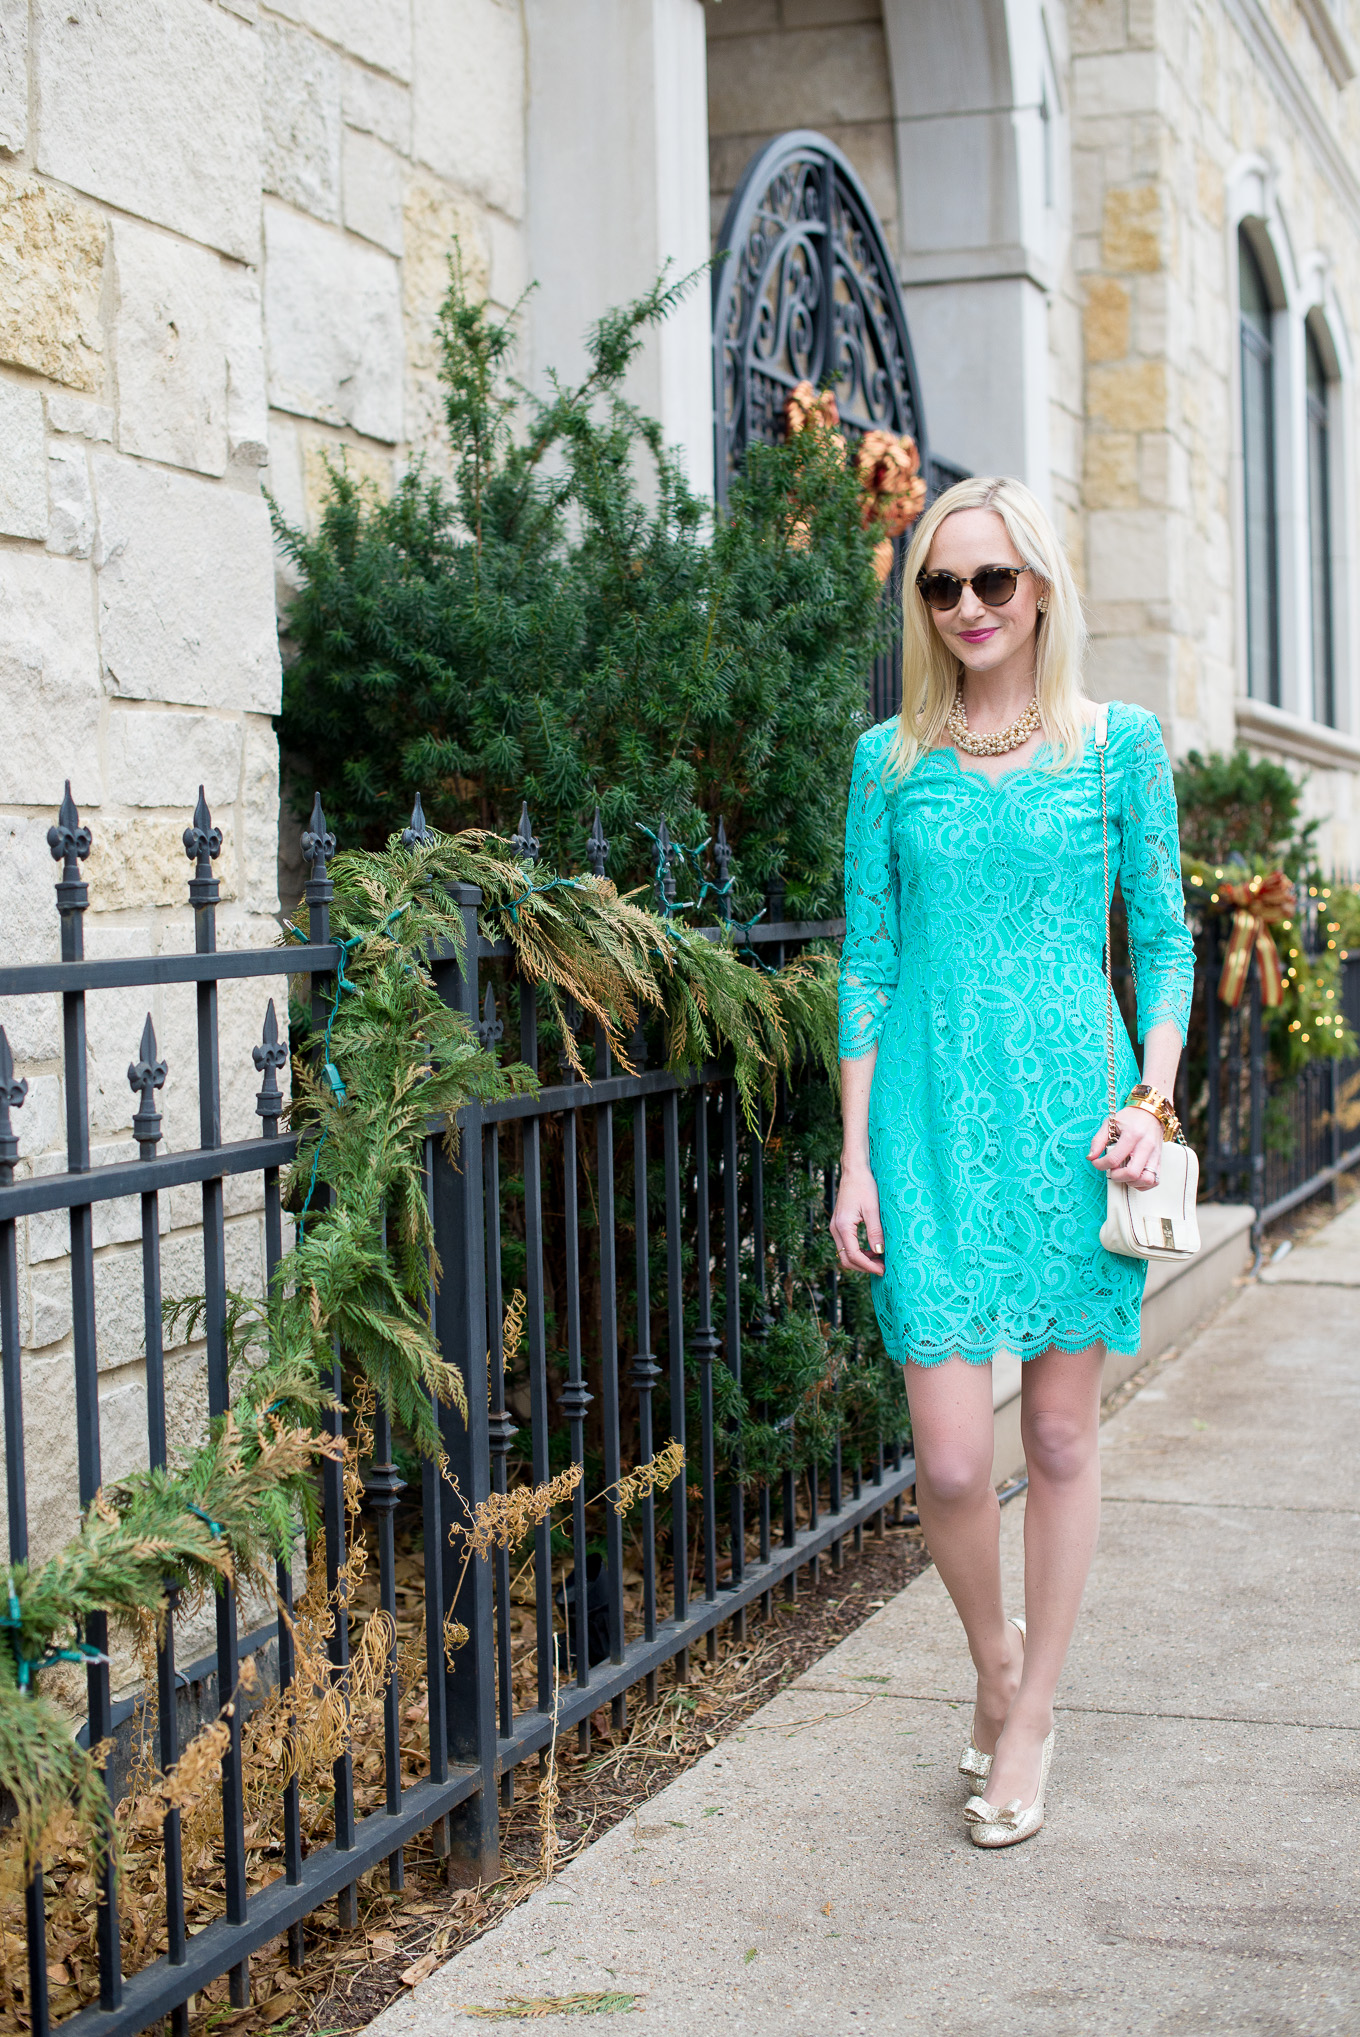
(350, 1976)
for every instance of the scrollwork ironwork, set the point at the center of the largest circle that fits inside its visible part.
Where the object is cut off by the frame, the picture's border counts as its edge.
(806, 291)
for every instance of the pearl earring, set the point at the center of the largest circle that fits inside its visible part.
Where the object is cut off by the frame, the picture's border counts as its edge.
(1042, 604)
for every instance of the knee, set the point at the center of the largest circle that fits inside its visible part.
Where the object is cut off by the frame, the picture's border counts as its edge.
(1058, 1446)
(954, 1476)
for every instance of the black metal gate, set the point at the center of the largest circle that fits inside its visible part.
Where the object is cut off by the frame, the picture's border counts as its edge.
(805, 290)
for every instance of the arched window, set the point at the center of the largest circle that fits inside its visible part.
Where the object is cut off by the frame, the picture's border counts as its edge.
(1258, 477)
(1320, 533)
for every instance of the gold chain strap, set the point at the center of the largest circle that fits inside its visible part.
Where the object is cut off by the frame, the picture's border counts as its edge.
(1102, 734)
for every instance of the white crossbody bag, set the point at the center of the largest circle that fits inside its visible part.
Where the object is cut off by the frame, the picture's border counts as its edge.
(1142, 1223)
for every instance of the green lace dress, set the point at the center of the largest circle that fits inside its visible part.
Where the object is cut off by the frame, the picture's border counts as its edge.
(973, 962)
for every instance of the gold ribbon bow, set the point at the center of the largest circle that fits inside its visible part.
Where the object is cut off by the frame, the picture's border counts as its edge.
(1257, 905)
(1007, 1814)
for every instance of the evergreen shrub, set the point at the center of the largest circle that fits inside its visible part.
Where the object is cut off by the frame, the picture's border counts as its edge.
(546, 626)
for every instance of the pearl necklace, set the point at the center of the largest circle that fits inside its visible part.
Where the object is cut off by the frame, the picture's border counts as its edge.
(991, 746)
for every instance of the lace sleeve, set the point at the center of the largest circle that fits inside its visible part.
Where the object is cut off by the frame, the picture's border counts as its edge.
(1150, 878)
(871, 956)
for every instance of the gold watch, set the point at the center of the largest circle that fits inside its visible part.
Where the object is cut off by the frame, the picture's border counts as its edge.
(1144, 1097)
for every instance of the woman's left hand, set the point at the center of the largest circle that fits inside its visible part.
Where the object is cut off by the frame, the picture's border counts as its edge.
(1136, 1156)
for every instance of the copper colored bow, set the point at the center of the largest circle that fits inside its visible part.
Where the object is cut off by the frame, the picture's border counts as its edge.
(1258, 904)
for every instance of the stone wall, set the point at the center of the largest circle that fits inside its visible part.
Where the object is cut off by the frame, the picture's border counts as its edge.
(223, 232)
(779, 64)
(1188, 118)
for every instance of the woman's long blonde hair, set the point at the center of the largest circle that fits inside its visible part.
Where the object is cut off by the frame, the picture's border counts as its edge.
(930, 671)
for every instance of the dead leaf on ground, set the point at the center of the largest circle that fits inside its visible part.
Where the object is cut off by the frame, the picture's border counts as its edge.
(421, 1970)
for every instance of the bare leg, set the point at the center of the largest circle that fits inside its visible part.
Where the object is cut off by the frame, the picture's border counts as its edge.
(1060, 1423)
(951, 1428)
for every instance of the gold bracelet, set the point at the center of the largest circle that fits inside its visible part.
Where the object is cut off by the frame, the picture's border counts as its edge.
(1144, 1097)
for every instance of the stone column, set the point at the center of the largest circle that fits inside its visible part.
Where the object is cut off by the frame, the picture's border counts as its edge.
(617, 186)
(981, 160)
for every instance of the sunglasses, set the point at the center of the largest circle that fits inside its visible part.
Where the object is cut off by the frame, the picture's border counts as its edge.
(994, 586)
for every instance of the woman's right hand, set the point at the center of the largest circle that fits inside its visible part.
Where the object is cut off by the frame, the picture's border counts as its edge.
(856, 1204)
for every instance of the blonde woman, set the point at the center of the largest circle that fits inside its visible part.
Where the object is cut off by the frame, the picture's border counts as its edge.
(973, 1044)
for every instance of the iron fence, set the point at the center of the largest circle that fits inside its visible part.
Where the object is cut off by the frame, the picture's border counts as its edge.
(749, 1540)
(1274, 1139)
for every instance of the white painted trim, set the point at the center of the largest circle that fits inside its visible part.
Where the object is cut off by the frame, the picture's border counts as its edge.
(1331, 40)
(1324, 313)
(1272, 728)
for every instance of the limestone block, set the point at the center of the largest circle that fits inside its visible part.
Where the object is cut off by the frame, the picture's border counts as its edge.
(838, 70)
(301, 119)
(1131, 398)
(13, 75)
(172, 369)
(49, 682)
(1124, 81)
(1105, 320)
(154, 105)
(1133, 668)
(260, 823)
(321, 457)
(1098, 25)
(51, 274)
(79, 417)
(333, 326)
(374, 175)
(247, 396)
(139, 862)
(509, 276)
(379, 31)
(23, 466)
(378, 106)
(1131, 236)
(32, 1024)
(436, 217)
(1129, 555)
(50, 1455)
(468, 101)
(41, 1121)
(161, 759)
(1111, 476)
(186, 600)
(70, 528)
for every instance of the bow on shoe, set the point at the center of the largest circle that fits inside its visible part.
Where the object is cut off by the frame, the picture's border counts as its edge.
(977, 1811)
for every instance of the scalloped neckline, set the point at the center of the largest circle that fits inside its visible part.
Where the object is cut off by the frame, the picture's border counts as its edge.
(1002, 777)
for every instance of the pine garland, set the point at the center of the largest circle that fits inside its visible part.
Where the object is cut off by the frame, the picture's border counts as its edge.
(363, 1264)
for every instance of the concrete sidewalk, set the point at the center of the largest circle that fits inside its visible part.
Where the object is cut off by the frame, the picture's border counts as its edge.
(1198, 1871)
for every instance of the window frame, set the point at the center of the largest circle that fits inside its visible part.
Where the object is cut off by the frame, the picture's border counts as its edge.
(1258, 372)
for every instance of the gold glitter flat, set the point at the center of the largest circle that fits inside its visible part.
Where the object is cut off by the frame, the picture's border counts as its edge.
(1008, 1825)
(974, 1765)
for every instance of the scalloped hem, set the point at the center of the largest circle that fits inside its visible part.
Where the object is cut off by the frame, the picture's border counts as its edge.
(975, 1357)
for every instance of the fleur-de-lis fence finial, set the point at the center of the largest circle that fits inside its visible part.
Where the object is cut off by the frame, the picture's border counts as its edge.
(202, 845)
(318, 847)
(597, 848)
(492, 1026)
(70, 844)
(318, 843)
(524, 841)
(12, 1096)
(145, 1076)
(269, 1057)
(418, 833)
